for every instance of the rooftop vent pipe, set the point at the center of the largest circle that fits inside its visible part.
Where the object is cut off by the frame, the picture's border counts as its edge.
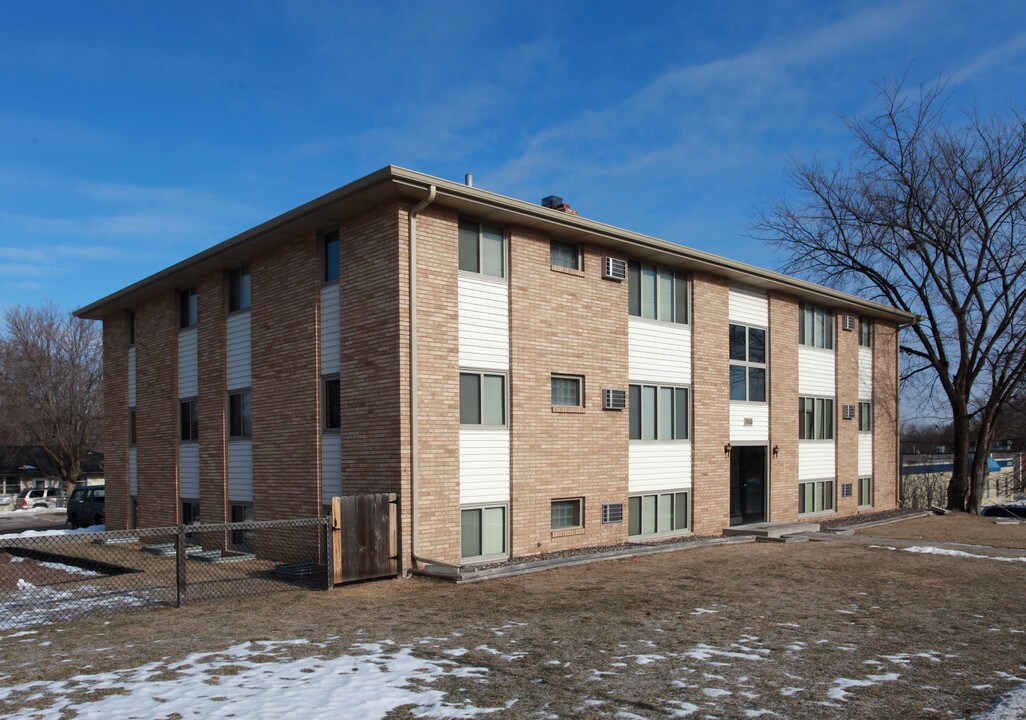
(469, 179)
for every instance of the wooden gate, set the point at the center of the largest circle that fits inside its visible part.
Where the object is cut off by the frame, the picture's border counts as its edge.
(363, 537)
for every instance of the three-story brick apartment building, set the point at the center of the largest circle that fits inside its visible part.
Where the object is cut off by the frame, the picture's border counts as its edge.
(525, 379)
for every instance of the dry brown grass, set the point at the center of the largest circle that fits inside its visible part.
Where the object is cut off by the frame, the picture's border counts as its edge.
(957, 527)
(813, 612)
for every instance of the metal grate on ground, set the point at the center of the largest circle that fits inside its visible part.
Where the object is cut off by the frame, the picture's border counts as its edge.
(50, 579)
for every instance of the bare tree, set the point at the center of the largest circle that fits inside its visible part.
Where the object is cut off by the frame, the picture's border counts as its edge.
(51, 384)
(928, 216)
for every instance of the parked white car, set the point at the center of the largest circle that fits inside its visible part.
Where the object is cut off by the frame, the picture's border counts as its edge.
(39, 498)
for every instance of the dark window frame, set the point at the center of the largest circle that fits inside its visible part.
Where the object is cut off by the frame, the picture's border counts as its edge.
(130, 322)
(331, 399)
(331, 263)
(240, 298)
(865, 416)
(240, 414)
(188, 427)
(824, 339)
(636, 404)
(188, 308)
(747, 365)
(865, 332)
(680, 292)
(463, 228)
(817, 406)
(132, 427)
(466, 421)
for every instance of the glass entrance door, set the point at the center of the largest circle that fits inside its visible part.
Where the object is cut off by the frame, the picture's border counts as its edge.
(747, 485)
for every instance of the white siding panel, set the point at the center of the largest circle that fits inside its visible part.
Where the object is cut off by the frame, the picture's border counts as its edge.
(238, 351)
(865, 454)
(654, 466)
(748, 306)
(131, 377)
(659, 351)
(188, 470)
(758, 413)
(240, 471)
(484, 466)
(188, 369)
(484, 324)
(331, 467)
(816, 460)
(329, 330)
(133, 471)
(815, 372)
(865, 373)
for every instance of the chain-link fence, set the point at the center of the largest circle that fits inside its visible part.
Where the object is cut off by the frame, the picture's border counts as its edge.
(54, 578)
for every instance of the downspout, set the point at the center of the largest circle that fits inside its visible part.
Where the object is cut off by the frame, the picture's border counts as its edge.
(414, 431)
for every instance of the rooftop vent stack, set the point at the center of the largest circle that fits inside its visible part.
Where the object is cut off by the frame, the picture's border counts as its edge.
(469, 179)
(555, 202)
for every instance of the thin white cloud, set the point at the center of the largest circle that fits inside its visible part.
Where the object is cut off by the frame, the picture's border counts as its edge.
(1013, 48)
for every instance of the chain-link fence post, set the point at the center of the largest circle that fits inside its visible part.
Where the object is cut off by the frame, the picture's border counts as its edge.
(181, 556)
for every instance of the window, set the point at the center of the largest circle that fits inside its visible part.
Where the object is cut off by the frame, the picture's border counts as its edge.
(482, 399)
(658, 413)
(242, 539)
(483, 532)
(816, 327)
(240, 414)
(130, 321)
(482, 249)
(566, 391)
(131, 426)
(190, 512)
(657, 514)
(187, 308)
(329, 258)
(566, 514)
(815, 497)
(747, 363)
(865, 332)
(865, 417)
(238, 289)
(332, 403)
(815, 418)
(865, 491)
(566, 255)
(189, 420)
(657, 293)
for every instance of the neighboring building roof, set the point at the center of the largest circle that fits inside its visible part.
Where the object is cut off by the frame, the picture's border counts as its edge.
(393, 183)
(33, 461)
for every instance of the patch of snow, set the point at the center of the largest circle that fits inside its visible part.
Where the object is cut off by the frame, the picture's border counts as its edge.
(842, 685)
(928, 550)
(30, 511)
(789, 691)
(44, 533)
(681, 709)
(703, 611)
(707, 653)
(505, 656)
(455, 652)
(367, 685)
(759, 713)
(68, 569)
(1009, 706)
(32, 605)
(716, 692)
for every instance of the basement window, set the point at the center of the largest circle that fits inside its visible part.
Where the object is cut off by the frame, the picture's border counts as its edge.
(483, 533)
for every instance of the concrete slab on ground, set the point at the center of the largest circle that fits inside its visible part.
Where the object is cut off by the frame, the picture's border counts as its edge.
(772, 529)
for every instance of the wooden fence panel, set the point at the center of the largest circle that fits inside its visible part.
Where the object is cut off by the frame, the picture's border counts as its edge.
(364, 537)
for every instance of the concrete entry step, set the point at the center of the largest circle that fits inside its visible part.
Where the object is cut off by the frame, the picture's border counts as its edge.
(772, 529)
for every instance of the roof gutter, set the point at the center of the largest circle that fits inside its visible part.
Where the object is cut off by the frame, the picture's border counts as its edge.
(414, 404)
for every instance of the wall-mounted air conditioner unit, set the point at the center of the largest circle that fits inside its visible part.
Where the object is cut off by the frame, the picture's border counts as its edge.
(849, 412)
(614, 399)
(849, 322)
(614, 269)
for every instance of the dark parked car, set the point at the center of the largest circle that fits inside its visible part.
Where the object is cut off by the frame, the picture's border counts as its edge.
(86, 507)
(1017, 512)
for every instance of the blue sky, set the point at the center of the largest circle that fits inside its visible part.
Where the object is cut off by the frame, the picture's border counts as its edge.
(135, 134)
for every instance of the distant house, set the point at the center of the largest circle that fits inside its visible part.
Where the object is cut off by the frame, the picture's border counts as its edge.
(29, 466)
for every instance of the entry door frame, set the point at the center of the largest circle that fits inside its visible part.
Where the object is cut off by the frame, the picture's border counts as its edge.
(767, 473)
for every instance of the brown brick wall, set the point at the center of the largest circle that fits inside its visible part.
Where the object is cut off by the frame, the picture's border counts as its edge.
(157, 429)
(783, 409)
(115, 419)
(212, 352)
(286, 380)
(571, 324)
(710, 389)
(846, 432)
(885, 415)
(438, 386)
(370, 352)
